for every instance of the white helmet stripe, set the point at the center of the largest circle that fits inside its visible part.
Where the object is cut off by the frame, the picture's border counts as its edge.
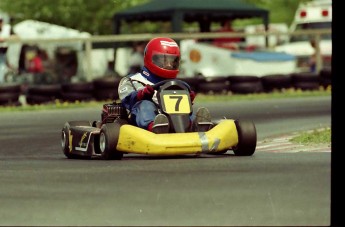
(167, 43)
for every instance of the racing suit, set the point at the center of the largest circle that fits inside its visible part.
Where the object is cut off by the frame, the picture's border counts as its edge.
(142, 111)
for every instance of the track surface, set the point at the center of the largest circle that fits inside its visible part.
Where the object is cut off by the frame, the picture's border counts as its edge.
(277, 186)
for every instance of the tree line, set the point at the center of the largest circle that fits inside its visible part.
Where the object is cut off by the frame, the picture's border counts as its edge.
(96, 16)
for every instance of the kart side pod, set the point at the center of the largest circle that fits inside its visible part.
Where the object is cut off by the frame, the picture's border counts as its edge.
(220, 138)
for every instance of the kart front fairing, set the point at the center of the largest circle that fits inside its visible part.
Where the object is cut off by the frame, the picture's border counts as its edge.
(221, 137)
(83, 140)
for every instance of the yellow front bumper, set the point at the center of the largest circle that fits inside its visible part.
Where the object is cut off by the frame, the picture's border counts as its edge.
(220, 138)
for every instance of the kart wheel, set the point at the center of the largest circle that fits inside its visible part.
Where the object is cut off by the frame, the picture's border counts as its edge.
(65, 137)
(108, 139)
(246, 138)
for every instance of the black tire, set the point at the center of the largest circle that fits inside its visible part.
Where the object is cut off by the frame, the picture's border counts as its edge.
(325, 82)
(305, 86)
(214, 87)
(304, 77)
(305, 81)
(246, 138)
(76, 96)
(108, 138)
(276, 82)
(45, 90)
(9, 98)
(246, 87)
(65, 137)
(106, 94)
(326, 73)
(10, 88)
(82, 87)
(243, 79)
(39, 99)
(325, 77)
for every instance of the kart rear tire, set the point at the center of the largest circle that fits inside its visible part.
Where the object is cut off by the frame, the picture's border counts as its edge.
(246, 138)
(65, 138)
(108, 138)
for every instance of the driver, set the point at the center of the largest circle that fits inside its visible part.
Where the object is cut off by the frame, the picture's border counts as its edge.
(161, 62)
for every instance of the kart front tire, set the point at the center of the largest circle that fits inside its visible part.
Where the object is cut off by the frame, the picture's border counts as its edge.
(246, 138)
(108, 139)
(65, 137)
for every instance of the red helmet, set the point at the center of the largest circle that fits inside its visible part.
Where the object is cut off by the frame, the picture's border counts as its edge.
(162, 57)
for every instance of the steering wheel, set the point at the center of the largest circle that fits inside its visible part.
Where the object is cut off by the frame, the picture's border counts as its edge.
(156, 86)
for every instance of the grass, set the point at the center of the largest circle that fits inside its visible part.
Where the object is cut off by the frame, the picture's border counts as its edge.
(315, 137)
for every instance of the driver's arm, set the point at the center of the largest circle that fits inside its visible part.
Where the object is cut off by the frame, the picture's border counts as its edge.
(131, 91)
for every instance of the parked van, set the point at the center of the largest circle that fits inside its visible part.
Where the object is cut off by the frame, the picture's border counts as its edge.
(316, 14)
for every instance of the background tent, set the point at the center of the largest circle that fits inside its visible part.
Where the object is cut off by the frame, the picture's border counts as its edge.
(63, 53)
(178, 11)
(32, 29)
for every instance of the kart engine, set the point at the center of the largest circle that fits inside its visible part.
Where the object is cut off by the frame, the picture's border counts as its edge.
(113, 111)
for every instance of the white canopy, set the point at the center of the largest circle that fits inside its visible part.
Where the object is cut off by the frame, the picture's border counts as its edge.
(31, 29)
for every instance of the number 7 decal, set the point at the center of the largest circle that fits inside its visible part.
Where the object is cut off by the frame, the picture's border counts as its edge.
(176, 104)
(178, 101)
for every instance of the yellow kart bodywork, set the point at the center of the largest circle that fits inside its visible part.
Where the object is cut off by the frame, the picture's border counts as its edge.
(116, 136)
(221, 137)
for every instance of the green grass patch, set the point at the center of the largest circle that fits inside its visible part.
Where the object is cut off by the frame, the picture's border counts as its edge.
(317, 136)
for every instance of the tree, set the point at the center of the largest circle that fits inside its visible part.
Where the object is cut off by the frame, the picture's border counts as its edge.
(93, 16)
(282, 11)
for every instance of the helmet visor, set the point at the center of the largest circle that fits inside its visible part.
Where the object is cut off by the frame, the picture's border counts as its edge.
(166, 61)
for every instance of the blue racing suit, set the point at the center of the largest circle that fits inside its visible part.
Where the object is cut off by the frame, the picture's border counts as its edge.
(142, 111)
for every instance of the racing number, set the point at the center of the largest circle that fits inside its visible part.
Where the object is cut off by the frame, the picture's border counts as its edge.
(178, 100)
(176, 104)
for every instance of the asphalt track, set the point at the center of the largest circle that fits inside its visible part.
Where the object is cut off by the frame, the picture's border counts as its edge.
(277, 186)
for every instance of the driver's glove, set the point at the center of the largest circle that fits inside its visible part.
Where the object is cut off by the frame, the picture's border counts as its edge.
(192, 95)
(146, 93)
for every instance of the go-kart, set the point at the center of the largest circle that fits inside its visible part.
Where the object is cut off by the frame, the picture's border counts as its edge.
(114, 135)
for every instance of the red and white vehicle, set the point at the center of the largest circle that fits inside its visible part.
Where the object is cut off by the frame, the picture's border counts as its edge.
(208, 60)
(316, 14)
